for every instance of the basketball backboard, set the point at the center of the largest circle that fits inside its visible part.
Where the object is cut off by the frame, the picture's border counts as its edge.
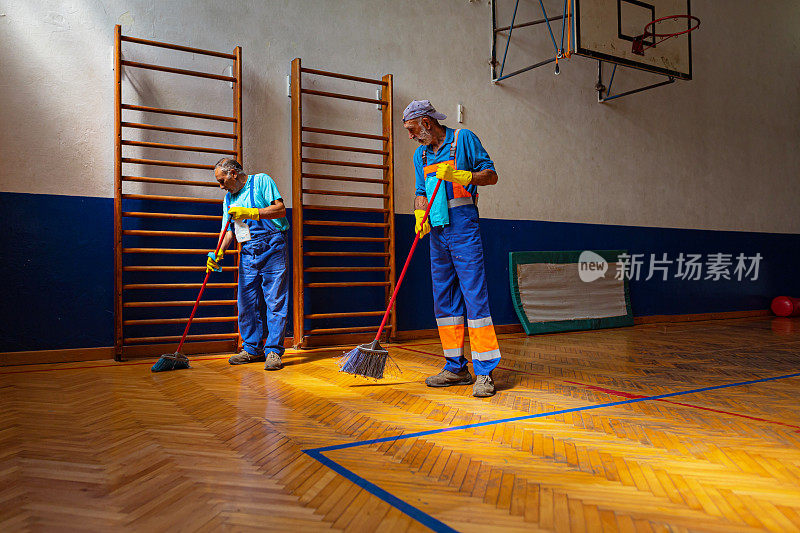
(606, 29)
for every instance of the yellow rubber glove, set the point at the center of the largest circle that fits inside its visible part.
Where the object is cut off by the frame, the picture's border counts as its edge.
(448, 173)
(420, 227)
(213, 261)
(239, 213)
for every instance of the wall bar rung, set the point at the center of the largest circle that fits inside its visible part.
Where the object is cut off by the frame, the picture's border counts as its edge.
(316, 316)
(140, 286)
(345, 133)
(328, 331)
(341, 76)
(349, 224)
(191, 114)
(176, 216)
(149, 321)
(342, 163)
(344, 148)
(325, 238)
(348, 284)
(148, 233)
(344, 96)
(179, 147)
(176, 47)
(168, 129)
(167, 181)
(346, 269)
(345, 193)
(344, 208)
(157, 268)
(157, 163)
(188, 199)
(180, 303)
(145, 340)
(344, 178)
(182, 71)
(171, 251)
(345, 254)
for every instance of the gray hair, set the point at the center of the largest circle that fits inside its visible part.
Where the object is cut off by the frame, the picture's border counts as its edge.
(434, 122)
(226, 164)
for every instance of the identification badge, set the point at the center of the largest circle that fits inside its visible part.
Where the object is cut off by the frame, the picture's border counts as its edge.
(241, 230)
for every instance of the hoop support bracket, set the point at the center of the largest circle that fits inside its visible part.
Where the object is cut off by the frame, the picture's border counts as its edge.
(602, 88)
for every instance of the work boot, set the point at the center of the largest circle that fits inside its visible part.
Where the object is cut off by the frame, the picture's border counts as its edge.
(273, 362)
(243, 357)
(484, 386)
(445, 378)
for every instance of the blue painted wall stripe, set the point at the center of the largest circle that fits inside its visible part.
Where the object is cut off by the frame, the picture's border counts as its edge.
(58, 270)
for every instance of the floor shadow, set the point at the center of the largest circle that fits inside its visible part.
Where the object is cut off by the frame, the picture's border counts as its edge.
(383, 384)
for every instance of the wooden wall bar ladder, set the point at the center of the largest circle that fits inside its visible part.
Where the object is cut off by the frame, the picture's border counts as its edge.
(371, 239)
(134, 300)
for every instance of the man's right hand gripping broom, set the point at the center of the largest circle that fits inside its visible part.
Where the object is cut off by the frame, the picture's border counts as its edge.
(213, 261)
(423, 225)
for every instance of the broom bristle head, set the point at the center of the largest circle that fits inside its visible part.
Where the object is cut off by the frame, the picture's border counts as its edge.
(367, 360)
(170, 361)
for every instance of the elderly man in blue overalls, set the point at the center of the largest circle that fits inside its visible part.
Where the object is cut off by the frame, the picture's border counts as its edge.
(459, 279)
(259, 225)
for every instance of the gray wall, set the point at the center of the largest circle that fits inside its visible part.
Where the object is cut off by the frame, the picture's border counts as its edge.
(717, 152)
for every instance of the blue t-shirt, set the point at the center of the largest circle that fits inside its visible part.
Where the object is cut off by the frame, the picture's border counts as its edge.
(470, 155)
(264, 193)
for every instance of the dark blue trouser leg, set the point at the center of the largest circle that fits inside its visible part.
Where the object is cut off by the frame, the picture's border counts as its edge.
(251, 327)
(448, 302)
(276, 295)
(263, 297)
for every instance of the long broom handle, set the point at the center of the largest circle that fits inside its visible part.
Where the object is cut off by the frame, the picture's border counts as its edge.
(408, 260)
(208, 273)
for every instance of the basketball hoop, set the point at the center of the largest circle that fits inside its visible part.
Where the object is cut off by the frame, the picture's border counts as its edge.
(649, 31)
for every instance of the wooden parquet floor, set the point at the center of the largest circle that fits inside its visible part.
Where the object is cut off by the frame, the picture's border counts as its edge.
(681, 427)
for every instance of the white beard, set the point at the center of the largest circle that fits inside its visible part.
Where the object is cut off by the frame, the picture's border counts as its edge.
(426, 137)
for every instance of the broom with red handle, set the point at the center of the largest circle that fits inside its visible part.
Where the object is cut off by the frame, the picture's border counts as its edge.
(176, 360)
(369, 360)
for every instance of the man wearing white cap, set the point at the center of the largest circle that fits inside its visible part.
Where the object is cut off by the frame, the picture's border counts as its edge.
(459, 279)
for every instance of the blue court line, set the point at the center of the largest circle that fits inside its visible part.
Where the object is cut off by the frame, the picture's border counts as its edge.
(420, 516)
(428, 520)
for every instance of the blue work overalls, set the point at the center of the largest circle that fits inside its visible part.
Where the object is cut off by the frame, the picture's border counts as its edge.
(263, 298)
(459, 277)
